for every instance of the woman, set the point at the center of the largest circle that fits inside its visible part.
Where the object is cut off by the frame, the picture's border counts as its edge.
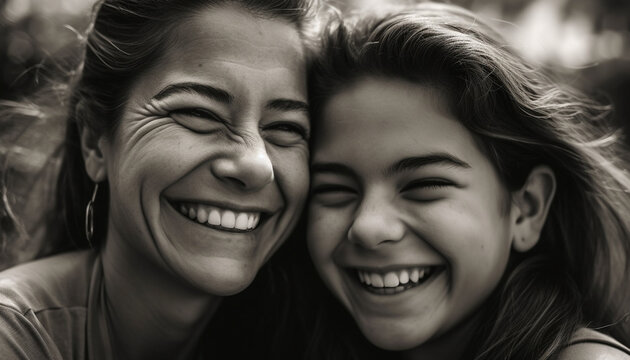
(185, 168)
(478, 211)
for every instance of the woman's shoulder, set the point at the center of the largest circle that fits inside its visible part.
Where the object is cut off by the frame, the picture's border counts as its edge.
(589, 344)
(56, 281)
(44, 307)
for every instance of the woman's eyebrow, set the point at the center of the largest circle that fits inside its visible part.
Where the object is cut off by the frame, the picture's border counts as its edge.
(415, 162)
(288, 105)
(195, 88)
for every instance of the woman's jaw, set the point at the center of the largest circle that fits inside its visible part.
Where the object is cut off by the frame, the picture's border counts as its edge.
(217, 130)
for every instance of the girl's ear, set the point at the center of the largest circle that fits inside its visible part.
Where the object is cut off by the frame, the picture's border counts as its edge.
(530, 206)
(92, 147)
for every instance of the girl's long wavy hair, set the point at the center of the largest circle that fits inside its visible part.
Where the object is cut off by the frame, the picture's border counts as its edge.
(577, 275)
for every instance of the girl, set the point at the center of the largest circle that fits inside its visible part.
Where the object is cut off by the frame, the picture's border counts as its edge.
(463, 205)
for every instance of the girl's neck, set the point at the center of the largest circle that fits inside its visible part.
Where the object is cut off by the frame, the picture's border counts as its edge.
(150, 313)
(451, 345)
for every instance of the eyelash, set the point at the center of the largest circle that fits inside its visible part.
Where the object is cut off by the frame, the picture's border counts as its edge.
(290, 127)
(427, 184)
(198, 112)
(330, 188)
(206, 114)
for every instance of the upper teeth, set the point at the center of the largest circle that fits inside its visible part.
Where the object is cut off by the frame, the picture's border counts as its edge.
(220, 217)
(393, 278)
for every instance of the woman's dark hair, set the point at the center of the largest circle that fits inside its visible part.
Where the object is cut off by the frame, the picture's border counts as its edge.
(127, 38)
(578, 273)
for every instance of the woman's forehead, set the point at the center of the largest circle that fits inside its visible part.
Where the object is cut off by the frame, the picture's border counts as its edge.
(234, 30)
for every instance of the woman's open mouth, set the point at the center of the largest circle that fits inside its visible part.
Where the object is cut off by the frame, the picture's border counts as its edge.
(394, 282)
(219, 218)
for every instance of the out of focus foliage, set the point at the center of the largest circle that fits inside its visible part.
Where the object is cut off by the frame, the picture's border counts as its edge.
(37, 38)
(39, 50)
(586, 39)
(585, 42)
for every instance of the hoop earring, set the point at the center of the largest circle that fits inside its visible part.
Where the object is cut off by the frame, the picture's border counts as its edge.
(89, 216)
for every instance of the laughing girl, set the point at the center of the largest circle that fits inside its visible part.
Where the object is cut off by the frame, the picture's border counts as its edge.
(464, 205)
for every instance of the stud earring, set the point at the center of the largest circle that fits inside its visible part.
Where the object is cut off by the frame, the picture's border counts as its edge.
(89, 216)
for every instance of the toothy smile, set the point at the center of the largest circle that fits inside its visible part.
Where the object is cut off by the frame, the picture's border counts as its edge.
(392, 282)
(218, 218)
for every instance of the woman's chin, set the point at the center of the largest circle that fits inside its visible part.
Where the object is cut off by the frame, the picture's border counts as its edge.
(220, 276)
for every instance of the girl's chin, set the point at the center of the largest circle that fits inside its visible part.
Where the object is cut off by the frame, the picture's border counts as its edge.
(397, 340)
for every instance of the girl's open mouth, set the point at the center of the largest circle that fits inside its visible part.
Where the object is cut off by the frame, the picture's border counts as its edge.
(394, 282)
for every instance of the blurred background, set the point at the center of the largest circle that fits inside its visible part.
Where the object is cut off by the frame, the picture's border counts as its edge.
(584, 42)
(588, 41)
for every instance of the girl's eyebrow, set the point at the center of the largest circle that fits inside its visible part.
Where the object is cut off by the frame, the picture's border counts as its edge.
(331, 167)
(406, 164)
(415, 162)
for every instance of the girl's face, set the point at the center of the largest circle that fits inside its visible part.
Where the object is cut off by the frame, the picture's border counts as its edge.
(208, 169)
(409, 224)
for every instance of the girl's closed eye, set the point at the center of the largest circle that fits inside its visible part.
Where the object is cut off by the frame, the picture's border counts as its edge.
(286, 133)
(333, 195)
(199, 120)
(427, 189)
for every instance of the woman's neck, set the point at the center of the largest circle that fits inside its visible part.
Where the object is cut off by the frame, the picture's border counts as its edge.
(150, 312)
(451, 345)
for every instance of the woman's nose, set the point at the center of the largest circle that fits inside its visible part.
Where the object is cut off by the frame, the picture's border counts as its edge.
(374, 226)
(248, 167)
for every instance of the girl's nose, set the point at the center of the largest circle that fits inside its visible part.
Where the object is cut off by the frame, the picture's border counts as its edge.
(247, 168)
(375, 225)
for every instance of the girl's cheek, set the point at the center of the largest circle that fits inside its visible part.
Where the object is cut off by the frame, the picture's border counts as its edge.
(322, 236)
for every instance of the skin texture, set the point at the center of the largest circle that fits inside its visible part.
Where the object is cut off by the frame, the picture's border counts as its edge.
(243, 148)
(592, 351)
(363, 214)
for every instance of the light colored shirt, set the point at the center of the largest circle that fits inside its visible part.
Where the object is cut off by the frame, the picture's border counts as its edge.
(49, 309)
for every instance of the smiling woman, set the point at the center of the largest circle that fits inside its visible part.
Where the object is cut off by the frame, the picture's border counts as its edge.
(187, 140)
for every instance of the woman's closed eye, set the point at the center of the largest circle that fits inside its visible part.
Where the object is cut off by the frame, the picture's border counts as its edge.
(333, 194)
(427, 189)
(285, 133)
(197, 119)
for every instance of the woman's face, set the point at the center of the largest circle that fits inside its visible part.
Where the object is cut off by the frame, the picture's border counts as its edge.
(408, 223)
(208, 166)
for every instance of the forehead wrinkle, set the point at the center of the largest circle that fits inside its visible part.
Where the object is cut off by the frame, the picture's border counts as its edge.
(237, 40)
(248, 64)
(212, 32)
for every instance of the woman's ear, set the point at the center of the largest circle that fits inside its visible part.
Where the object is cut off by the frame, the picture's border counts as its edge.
(92, 147)
(530, 206)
